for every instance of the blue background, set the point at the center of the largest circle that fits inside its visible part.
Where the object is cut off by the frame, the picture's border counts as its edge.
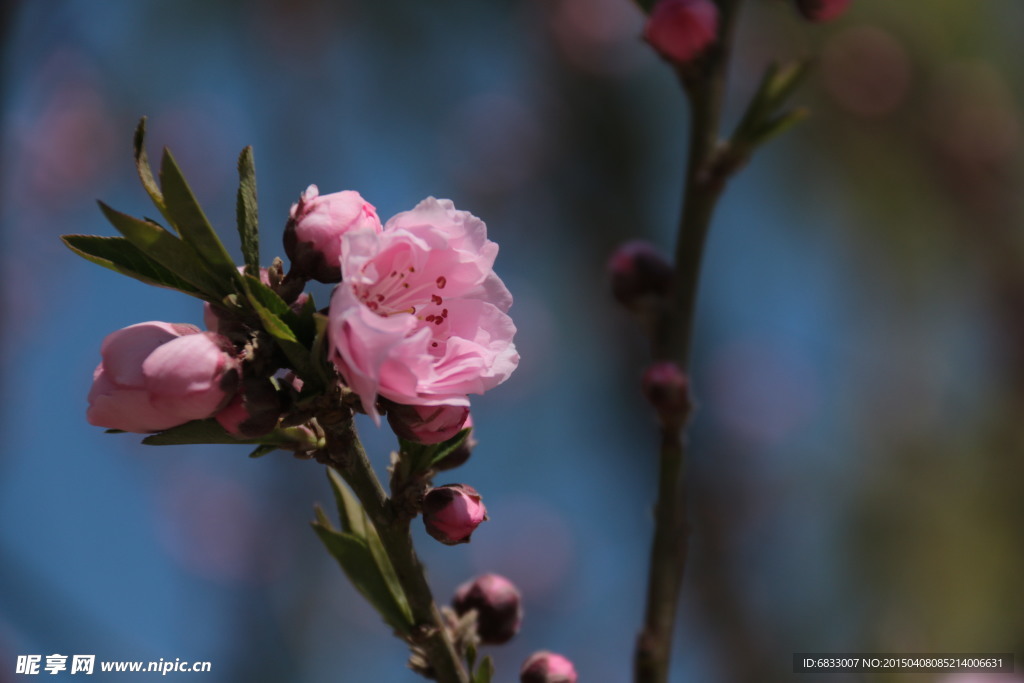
(856, 468)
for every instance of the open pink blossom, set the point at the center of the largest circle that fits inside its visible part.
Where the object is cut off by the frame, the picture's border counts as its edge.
(158, 375)
(420, 317)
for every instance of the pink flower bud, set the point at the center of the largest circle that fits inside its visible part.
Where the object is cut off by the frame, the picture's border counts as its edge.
(158, 375)
(460, 455)
(427, 424)
(822, 10)
(547, 667)
(668, 390)
(499, 610)
(312, 237)
(452, 512)
(682, 29)
(639, 273)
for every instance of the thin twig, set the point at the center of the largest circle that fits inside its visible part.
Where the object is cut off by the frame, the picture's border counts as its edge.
(704, 183)
(345, 453)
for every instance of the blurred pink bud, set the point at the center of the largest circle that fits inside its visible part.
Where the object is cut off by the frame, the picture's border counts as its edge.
(460, 455)
(427, 424)
(158, 375)
(638, 273)
(668, 390)
(682, 29)
(312, 237)
(547, 667)
(452, 512)
(822, 10)
(499, 610)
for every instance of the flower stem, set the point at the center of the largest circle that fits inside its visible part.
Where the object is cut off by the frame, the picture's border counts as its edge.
(345, 453)
(705, 180)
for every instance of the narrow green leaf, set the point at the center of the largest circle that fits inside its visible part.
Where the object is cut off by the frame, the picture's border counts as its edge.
(421, 457)
(786, 79)
(260, 451)
(387, 570)
(187, 216)
(321, 518)
(485, 672)
(202, 431)
(778, 84)
(350, 511)
(358, 563)
(470, 655)
(778, 125)
(144, 169)
(247, 212)
(170, 252)
(121, 256)
(445, 448)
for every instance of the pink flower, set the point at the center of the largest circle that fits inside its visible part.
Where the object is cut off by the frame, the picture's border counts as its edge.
(499, 610)
(822, 10)
(681, 29)
(427, 424)
(547, 667)
(158, 375)
(452, 512)
(420, 317)
(312, 238)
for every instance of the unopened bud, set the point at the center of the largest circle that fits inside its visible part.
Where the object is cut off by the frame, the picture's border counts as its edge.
(498, 606)
(157, 375)
(822, 10)
(426, 424)
(312, 237)
(547, 667)
(452, 512)
(680, 30)
(668, 390)
(639, 273)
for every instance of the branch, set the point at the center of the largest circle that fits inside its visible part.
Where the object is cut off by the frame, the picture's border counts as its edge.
(705, 180)
(345, 453)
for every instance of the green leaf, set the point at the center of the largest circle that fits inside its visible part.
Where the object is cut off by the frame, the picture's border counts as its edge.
(485, 672)
(778, 84)
(188, 218)
(646, 5)
(144, 170)
(280, 321)
(202, 431)
(421, 457)
(350, 511)
(247, 212)
(121, 256)
(357, 561)
(170, 252)
(260, 451)
(387, 570)
(779, 125)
